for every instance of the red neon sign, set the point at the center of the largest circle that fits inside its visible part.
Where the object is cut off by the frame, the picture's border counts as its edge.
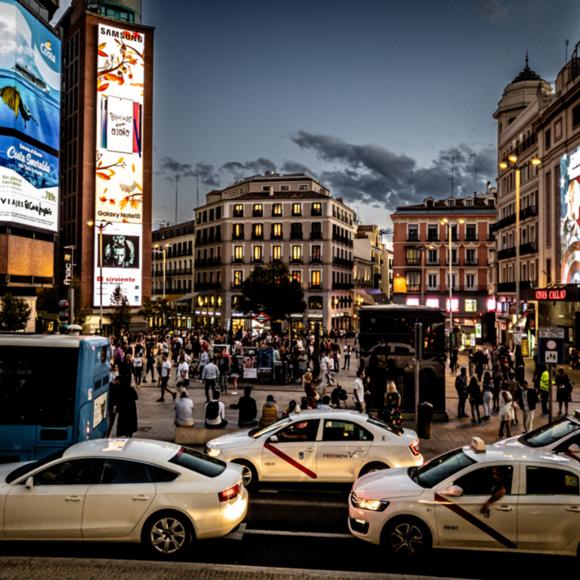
(551, 294)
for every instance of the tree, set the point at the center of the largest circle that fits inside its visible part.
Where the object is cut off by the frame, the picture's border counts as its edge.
(121, 316)
(157, 311)
(271, 290)
(14, 313)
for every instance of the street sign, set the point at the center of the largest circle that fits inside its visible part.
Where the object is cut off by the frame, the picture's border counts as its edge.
(551, 345)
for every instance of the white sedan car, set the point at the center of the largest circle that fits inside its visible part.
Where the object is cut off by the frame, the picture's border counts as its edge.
(445, 503)
(318, 446)
(125, 490)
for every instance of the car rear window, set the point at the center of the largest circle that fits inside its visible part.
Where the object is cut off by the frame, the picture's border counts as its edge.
(194, 461)
(549, 434)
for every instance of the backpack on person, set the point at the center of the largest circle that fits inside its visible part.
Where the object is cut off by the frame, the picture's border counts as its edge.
(212, 410)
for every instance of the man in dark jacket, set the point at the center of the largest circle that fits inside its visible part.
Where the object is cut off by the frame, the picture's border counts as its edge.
(461, 388)
(527, 400)
(248, 409)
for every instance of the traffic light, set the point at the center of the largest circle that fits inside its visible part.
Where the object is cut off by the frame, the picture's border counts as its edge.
(64, 312)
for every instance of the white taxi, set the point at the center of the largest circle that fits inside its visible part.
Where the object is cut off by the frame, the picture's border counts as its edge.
(446, 503)
(122, 490)
(318, 446)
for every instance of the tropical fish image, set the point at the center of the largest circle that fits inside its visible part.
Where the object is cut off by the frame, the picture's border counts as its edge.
(12, 99)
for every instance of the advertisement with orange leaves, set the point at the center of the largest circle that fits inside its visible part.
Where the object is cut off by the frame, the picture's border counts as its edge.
(119, 164)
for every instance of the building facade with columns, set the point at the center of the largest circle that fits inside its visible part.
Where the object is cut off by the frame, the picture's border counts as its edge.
(421, 266)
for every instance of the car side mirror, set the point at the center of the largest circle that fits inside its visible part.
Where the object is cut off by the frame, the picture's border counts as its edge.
(453, 491)
(273, 439)
(29, 483)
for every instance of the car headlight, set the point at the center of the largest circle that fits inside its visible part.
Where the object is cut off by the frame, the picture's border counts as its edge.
(373, 505)
(214, 451)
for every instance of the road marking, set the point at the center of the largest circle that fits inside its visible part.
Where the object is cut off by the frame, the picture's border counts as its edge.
(290, 502)
(290, 460)
(462, 513)
(298, 534)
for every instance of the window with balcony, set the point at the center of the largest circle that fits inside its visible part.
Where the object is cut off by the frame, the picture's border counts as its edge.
(432, 256)
(316, 254)
(238, 232)
(316, 231)
(413, 256)
(470, 256)
(277, 209)
(432, 233)
(413, 281)
(470, 281)
(257, 232)
(433, 281)
(258, 210)
(276, 232)
(413, 233)
(471, 232)
(296, 231)
(296, 254)
(296, 276)
(316, 208)
(238, 254)
(238, 278)
(315, 303)
(238, 210)
(453, 281)
(276, 253)
(257, 254)
(315, 279)
(296, 209)
(470, 305)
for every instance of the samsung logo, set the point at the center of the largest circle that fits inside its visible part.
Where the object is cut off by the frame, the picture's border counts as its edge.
(46, 49)
(122, 34)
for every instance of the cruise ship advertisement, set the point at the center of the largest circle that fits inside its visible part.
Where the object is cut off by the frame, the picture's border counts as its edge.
(29, 119)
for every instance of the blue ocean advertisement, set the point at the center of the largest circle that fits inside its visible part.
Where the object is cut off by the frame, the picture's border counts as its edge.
(28, 184)
(29, 110)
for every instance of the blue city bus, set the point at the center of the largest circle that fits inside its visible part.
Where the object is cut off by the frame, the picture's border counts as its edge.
(387, 351)
(53, 392)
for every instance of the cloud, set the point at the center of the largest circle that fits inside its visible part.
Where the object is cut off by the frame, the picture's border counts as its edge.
(239, 170)
(173, 169)
(371, 174)
(495, 10)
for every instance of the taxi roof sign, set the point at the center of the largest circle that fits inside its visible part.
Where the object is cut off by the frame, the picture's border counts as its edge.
(478, 444)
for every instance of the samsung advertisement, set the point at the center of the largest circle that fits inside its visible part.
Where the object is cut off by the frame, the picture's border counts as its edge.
(119, 163)
(29, 119)
(570, 217)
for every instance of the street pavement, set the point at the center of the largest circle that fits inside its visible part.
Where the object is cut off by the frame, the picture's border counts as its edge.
(156, 419)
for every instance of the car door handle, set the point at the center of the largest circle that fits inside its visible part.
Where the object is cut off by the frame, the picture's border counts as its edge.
(573, 508)
(360, 450)
(73, 498)
(504, 508)
(140, 498)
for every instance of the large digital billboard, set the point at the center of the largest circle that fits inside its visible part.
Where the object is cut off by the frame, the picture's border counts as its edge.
(29, 119)
(119, 163)
(570, 217)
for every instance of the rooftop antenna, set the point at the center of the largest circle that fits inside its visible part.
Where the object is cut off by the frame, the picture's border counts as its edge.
(566, 50)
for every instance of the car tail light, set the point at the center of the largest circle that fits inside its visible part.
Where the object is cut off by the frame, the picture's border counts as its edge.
(229, 493)
(415, 447)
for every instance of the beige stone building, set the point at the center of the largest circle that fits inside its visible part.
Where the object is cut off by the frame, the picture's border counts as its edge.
(291, 218)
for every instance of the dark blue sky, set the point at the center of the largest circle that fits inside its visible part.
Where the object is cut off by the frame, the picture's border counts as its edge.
(375, 97)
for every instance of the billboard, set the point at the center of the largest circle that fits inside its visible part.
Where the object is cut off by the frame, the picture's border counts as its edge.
(119, 163)
(570, 217)
(121, 265)
(29, 119)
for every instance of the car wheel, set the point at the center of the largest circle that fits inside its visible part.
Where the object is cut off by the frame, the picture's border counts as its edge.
(407, 539)
(372, 467)
(249, 474)
(167, 534)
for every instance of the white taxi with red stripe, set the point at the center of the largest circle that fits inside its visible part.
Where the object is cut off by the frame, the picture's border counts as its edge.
(443, 503)
(318, 446)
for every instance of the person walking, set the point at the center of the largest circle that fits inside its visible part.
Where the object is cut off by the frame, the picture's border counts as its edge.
(462, 392)
(487, 395)
(347, 353)
(209, 377)
(474, 391)
(505, 413)
(138, 369)
(310, 390)
(563, 390)
(126, 410)
(527, 401)
(359, 391)
(392, 409)
(164, 379)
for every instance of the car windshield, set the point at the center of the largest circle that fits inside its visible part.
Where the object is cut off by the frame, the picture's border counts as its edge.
(391, 428)
(195, 461)
(435, 471)
(549, 434)
(271, 427)
(28, 467)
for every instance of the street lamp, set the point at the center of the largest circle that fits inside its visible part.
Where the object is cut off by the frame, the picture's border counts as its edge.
(100, 226)
(514, 163)
(447, 223)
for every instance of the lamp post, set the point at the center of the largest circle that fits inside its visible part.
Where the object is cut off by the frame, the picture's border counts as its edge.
(514, 163)
(100, 226)
(447, 223)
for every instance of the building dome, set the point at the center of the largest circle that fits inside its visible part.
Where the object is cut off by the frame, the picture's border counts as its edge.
(527, 74)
